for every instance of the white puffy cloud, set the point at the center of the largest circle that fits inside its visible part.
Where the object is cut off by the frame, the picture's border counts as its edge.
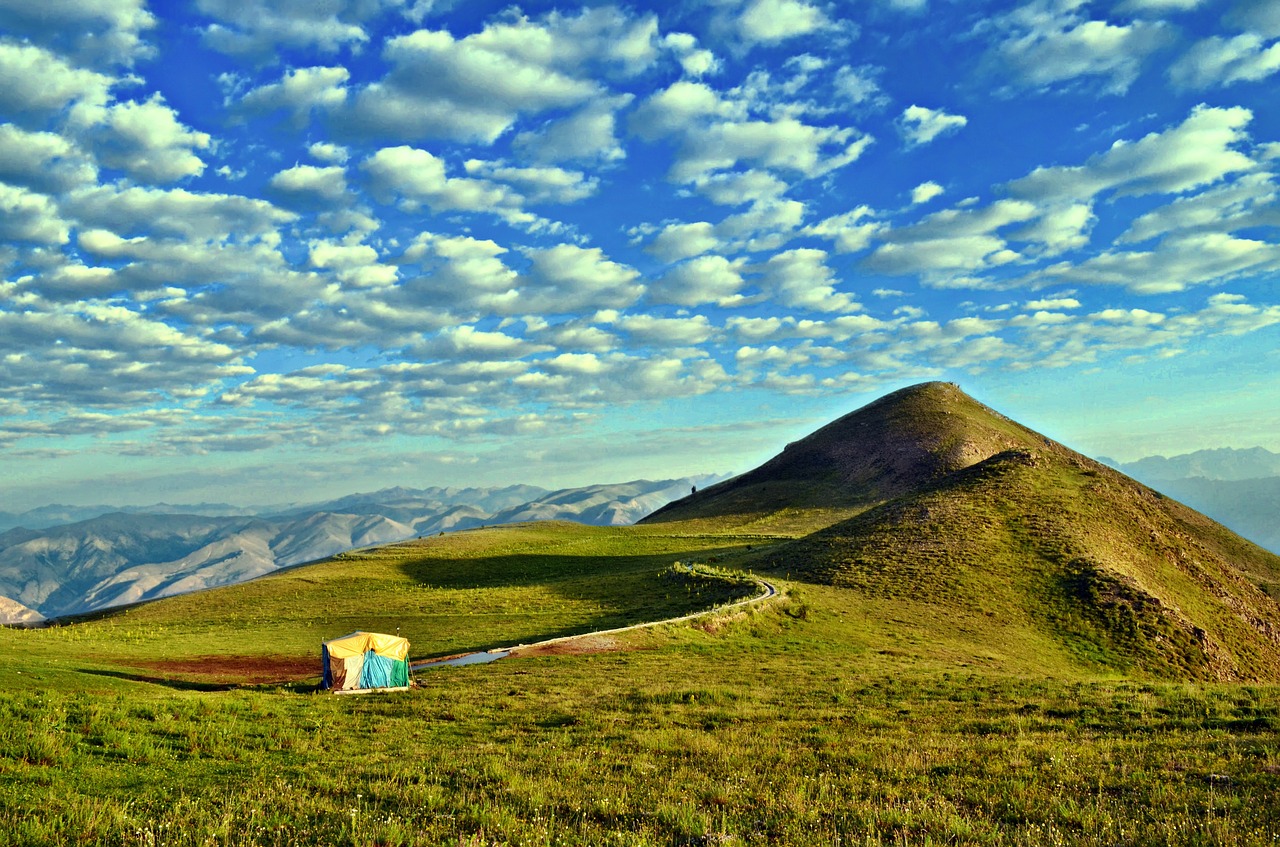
(650, 330)
(26, 216)
(925, 191)
(148, 141)
(474, 89)
(705, 279)
(353, 263)
(419, 177)
(771, 21)
(443, 88)
(680, 107)
(1159, 6)
(587, 135)
(328, 152)
(1197, 152)
(567, 278)
(800, 278)
(765, 225)
(682, 241)
(43, 161)
(238, 281)
(716, 134)
(462, 271)
(1052, 304)
(784, 144)
(540, 184)
(257, 29)
(849, 232)
(951, 241)
(39, 84)
(1249, 201)
(104, 355)
(308, 186)
(1182, 261)
(860, 85)
(920, 125)
(603, 39)
(299, 92)
(1044, 44)
(1219, 61)
(139, 210)
(694, 60)
(470, 343)
(97, 32)
(1260, 16)
(1058, 229)
(736, 188)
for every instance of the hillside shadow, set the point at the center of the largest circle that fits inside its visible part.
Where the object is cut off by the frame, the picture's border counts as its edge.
(627, 590)
(167, 682)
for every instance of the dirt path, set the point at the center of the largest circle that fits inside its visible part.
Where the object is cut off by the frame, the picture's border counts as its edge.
(601, 637)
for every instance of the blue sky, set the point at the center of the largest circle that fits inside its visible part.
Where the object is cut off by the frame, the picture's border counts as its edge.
(265, 252)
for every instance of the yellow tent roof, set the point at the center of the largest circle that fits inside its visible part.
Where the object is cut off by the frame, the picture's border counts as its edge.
(358, 643)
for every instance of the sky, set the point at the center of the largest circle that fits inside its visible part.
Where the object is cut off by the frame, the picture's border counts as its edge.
(265, 252)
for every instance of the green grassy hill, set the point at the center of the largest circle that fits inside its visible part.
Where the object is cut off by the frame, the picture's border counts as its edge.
(982, 638)
(1082, 563)
(968, 513)
(447, 594)
(888, 448)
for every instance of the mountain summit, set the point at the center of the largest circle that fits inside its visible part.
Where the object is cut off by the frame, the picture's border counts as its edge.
(888, 448)
(930, 498)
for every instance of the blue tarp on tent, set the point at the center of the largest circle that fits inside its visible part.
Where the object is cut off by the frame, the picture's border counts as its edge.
(365, 661)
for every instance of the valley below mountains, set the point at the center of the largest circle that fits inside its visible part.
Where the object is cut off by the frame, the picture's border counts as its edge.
(118, 558)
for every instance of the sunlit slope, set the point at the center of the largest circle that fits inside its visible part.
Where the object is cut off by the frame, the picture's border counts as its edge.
(964, 515)
(1111, 572)
(888, 448)
(452, 593)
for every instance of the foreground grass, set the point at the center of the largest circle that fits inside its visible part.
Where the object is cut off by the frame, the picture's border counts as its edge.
(828, 717)
(613, 750)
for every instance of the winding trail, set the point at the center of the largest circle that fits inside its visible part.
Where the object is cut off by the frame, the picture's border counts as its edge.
(767, 592)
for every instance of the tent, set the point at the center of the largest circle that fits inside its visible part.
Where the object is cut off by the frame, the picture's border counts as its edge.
(365, 661)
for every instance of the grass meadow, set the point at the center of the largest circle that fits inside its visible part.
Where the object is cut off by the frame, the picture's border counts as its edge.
(822, 717)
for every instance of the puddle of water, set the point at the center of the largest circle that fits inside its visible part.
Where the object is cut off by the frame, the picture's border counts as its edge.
(469, 659)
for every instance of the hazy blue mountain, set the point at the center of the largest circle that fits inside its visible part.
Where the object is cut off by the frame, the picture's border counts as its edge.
(603, 505)
(1224, 463)
(126, 557)
(1248, 507)
(414, 504)
(1239, 489)
(44, 517)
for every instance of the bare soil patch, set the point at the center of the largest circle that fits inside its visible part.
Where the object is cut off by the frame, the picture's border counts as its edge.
(252, 670)
(581, 646)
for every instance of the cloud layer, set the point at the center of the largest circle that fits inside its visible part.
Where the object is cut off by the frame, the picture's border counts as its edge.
(263, 229)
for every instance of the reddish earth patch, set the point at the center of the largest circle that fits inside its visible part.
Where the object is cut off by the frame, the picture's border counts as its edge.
(582, 645)
(251, 670)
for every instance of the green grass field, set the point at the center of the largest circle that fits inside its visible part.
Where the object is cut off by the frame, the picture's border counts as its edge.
(826, 716)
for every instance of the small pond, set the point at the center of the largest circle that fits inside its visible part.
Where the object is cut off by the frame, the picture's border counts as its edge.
(469, 659)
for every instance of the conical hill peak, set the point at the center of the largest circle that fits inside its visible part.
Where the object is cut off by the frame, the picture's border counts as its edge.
(887, 448)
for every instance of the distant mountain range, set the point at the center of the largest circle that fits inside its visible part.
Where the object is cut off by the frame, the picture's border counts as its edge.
(1240, 489)
(100, 560)
(65, 560)
(1226, 463)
